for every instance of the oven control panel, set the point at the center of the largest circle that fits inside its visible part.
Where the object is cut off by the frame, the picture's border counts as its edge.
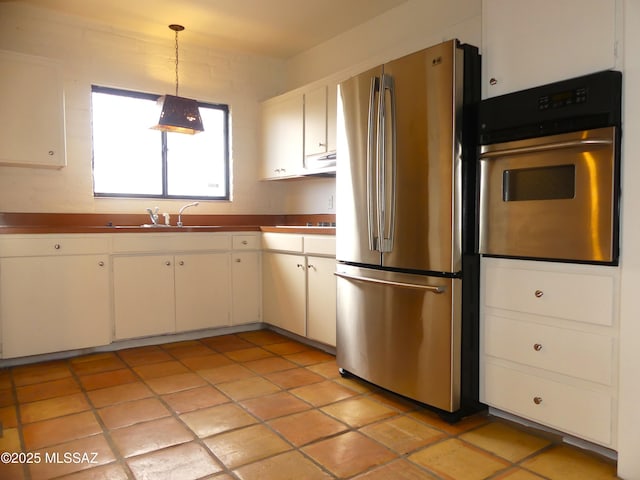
(563, 99)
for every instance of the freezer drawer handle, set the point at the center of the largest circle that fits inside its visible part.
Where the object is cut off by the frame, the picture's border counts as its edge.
(430, 288)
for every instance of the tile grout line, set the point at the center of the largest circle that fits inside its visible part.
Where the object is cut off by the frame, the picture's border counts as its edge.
(106, 431)
(14, 392)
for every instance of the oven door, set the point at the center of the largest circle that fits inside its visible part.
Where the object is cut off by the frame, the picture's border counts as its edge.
(551, 197)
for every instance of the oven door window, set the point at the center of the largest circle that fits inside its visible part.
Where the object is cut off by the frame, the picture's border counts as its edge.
(540, 183)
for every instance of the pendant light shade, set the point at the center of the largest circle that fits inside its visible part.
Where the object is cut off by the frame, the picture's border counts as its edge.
(178, 114)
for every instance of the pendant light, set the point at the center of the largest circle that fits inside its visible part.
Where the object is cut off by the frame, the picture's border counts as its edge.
(178, 114)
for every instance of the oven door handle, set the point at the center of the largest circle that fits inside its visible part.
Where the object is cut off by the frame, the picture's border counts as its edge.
(430, 288)
(546, 147)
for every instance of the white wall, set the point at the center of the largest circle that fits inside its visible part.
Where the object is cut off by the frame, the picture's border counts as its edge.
(411, 26)
(96, 54)
(629, 405)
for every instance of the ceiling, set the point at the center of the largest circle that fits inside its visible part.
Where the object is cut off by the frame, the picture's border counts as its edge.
(277, 28)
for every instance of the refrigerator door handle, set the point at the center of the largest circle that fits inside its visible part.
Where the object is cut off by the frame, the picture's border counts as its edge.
(372, 176)
(430, 288)
(388, 190)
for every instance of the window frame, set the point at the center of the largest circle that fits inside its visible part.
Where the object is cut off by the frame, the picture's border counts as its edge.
(164, 151)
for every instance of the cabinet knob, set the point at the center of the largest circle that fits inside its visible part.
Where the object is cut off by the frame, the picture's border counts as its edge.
(537, 400)
(57, 246)
(181, 262)
(299, 265)
(51, 153)
(538, 293)
(244, 242)
(311, 266)
(167, 263)
(493, 81)
(320, 144)
(537, 347)
(238, 260)
(101, 263)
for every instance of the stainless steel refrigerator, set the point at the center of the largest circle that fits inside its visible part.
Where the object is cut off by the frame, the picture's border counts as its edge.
(407, 273)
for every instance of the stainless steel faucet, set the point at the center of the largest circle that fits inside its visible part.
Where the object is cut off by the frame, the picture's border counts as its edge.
(153, 215)
(194, 204)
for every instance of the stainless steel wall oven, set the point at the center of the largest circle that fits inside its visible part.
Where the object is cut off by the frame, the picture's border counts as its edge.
(549, 171)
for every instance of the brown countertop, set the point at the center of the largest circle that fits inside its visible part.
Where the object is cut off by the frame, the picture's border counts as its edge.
(62, 223)
(299, 229)
(126, 229)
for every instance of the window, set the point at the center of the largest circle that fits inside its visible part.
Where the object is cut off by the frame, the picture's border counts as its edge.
(132, 160)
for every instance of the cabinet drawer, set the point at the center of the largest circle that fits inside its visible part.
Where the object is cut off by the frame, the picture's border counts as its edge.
(320, 245)
(245, 242)
(578, 411)
(581, 297)
(42, 245)
(166, 242)
(561, 350)
(282, 241)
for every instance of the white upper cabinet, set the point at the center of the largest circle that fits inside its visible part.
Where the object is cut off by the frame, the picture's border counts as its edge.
(282, 136)
(320, 120)
(296, 125)
(525, 43)
(32, 104)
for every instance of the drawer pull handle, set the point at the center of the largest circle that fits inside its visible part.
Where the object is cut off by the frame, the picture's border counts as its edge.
(244, 242)
(537, 347)
(57, 246)
(538, 293)
(537, 400)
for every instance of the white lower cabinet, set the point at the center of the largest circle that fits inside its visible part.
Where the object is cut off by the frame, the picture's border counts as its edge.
(166, 283)
(321, 299)
(203, 292)
(549, 345)
(72, 291)
(159, 294)
(143, 293)
(284, 290)
(299, 286)
(54, 293)
(245, 287)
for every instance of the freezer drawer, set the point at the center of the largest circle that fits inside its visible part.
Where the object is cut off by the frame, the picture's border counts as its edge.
(401, 332)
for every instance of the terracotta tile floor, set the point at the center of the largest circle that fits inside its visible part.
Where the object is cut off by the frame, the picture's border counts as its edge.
(251, 406)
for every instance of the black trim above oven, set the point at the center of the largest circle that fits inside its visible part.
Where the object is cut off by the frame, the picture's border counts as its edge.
(582, 103)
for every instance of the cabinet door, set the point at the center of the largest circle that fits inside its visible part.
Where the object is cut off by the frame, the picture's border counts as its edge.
(245, 285)
(282, 137)
(202, 291)
(526, 43)
(321, 299)
(51, 304)
(284, 291)
(143, 295)
(32, 99)
(315, 121)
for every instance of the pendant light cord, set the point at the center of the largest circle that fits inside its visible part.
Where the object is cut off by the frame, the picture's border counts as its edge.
(176, 63)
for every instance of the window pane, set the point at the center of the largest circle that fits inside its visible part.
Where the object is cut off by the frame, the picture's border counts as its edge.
(127, 154)
(196, 164)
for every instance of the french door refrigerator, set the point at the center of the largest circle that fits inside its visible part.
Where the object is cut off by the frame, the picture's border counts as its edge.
(407, 274)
